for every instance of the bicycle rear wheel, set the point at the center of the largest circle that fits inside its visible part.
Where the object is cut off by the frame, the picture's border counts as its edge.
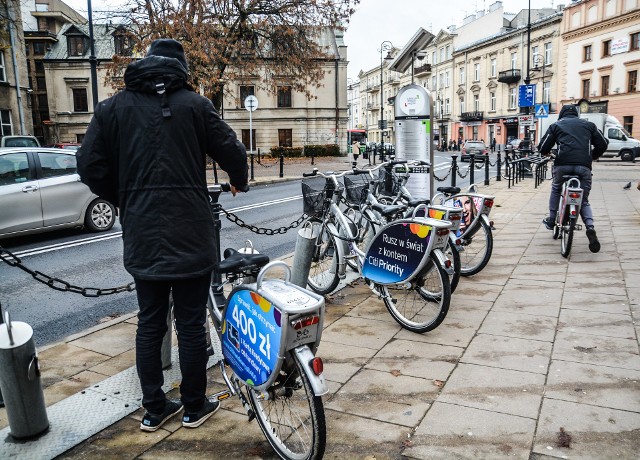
(451, 252)
(476, 250)
(323, 274)
(567, 236)
(290, 415)
(366, 232)
(421, 304)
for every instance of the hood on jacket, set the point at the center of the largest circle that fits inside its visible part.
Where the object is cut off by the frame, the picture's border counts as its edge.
(143, 75)
(568, 111)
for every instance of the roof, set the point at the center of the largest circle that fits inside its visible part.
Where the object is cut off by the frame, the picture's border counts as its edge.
(103, 40)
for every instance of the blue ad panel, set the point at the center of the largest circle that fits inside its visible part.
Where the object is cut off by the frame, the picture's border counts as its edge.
(251, 333)
(396, 252)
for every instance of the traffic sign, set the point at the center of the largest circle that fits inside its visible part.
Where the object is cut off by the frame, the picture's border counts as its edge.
(251, 103)
(525, 120)
(542, 110)
(527, 95)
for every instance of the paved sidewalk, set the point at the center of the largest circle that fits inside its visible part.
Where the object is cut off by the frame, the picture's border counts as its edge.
(533, 346)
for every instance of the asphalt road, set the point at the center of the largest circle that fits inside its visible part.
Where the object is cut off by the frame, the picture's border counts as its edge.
(95, 260)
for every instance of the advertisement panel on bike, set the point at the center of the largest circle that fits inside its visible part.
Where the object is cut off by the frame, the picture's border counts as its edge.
(400, 249)
(254, 329)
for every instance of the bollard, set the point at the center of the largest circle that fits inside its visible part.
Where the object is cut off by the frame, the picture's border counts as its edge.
(20, 380)
(305, 247)
(258, 155)
(252, 177)
(215, 173)
(167, 342)
(282, 165)
(472, 168)
(486, 170)
(454, 170)
(313, 158)
(499, 168)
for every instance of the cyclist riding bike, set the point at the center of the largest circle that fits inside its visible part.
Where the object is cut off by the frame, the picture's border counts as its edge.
(579, 143)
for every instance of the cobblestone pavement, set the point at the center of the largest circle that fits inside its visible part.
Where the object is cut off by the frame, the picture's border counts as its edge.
(533, 346)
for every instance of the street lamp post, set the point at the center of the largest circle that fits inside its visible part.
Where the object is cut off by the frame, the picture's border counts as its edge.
(527, 80)
(92, 59)
(439, 116)
(384, 46)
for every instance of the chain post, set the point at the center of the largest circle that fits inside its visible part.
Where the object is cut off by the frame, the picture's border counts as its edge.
(499, 167)
(282, 165)
(252, 177)
(216, 208)
(258, 155)
(472, 168)
(454, 170)
(215, 173)
(486, 170)
(313, 158)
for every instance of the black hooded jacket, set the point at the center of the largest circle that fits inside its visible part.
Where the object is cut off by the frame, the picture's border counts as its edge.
(145, 152)
(575, 138)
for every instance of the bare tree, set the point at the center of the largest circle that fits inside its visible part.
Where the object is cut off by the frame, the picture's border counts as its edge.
(234, 40)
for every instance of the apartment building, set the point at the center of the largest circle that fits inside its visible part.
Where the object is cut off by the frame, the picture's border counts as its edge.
(601, 58)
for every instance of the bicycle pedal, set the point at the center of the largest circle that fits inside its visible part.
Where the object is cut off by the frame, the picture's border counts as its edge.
(578, 227)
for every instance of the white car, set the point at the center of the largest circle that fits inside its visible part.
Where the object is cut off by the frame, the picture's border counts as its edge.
(40, 191)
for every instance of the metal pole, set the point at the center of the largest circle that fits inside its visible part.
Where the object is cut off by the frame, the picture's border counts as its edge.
(282, 165)
(93, 61)
(527, 80)
(472, 168)
(486, 170)
(252, 171)
(454, 170)
(499, 167)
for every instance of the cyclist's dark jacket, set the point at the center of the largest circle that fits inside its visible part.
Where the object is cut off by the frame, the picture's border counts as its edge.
(574, 137)
(153, 167)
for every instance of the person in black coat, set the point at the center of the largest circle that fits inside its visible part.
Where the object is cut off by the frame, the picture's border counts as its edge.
(145, 151)
(579, 143)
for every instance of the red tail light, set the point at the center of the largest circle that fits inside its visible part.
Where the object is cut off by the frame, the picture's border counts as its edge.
(442, 231)
(574, 195)
(488, 203)
(454, 217)
(305, 322)
(458, 242)
(317, 366)
(573, 212)
(447, 263)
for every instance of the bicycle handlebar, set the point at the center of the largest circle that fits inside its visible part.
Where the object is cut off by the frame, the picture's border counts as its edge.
(225, 187)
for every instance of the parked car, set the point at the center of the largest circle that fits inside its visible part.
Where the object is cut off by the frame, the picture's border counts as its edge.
(19, 141)
(476, 147)
(519, 144)
(40, 191)
(66, 145)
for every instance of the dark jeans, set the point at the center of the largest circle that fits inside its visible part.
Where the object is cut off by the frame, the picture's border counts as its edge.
(190, 299)
(584, 174)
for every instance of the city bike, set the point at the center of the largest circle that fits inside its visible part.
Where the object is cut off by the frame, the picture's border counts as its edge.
(403, 263)
(568, 211)
(268, 331)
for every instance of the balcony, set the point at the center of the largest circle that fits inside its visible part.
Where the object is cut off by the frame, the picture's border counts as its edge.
(471, 116)
(509, 76)
(426, 68)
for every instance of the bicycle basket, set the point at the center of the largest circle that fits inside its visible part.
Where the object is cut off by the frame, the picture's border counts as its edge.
(316, 193)
(356, 188)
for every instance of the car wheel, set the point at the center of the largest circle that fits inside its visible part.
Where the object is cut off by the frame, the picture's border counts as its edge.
(626, 155)
(100, 216)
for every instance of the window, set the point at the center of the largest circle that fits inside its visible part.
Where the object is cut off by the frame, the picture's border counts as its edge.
(80, 103)
(3, 74)
(493, 67)
(75, 45)
(38, 48)
(448, 52)
(447, 106)
(14, 169)
(285, 138)
(446, 79)
(627, 123)
(476, 72)
(604, 85)
(248, 139)
(441, 80)
(244, 92)
(586, 53)
(547, 53)
(606, 48)
(514, 60)
(122, 44)
(462, 75)
(284, 96)
(586, 87)
(462, 105)
(535, 52)
(5, 120)
(441, 54)
(56, 164)
(434, 82)
(513, 98)
(632, 81)
(476, 102)
(610, 8)
(492, 99)
(41, 83)
(434, 57)
(546, 92)
(634, 42)
(43, 102)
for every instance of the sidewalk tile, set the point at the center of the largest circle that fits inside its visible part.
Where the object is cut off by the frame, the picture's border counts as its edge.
(361, 332)
(508, 353)
(342, 362)
(596, 323)
(597, 350)
(519, 325)
(111, 342)
(604, 302)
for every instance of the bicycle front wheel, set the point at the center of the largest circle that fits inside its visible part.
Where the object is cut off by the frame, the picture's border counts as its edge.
(290, 415)
(323, 274)
(567, 237)
(476, 250)
(451, 252)
(421, 304)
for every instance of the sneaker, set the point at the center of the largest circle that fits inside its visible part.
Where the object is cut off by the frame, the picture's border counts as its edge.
(594, 244)
(195, 419)
(548, 223)
(151, 422)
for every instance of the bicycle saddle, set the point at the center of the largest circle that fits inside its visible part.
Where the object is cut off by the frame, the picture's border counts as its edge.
(235, 261)
(388, 209)
(418, 201)
(449, 190)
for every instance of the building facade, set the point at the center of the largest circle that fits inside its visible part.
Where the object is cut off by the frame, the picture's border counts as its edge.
(601, 58)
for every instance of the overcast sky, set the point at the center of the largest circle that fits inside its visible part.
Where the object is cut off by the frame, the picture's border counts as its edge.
(378, 20)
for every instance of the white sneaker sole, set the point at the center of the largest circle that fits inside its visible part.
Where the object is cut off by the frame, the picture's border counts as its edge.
(200, 421)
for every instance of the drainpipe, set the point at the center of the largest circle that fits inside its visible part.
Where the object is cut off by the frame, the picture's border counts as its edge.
(14, 60)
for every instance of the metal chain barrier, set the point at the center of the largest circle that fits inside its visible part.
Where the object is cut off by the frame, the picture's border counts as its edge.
(263, 231)
(271, 165)
(466, 174)
(445, 177)
(60, 285)
(478, 165)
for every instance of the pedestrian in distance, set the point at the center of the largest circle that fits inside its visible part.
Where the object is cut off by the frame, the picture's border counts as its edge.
(355, 149)
(579, 143)
(145, 152)
(493, 145)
